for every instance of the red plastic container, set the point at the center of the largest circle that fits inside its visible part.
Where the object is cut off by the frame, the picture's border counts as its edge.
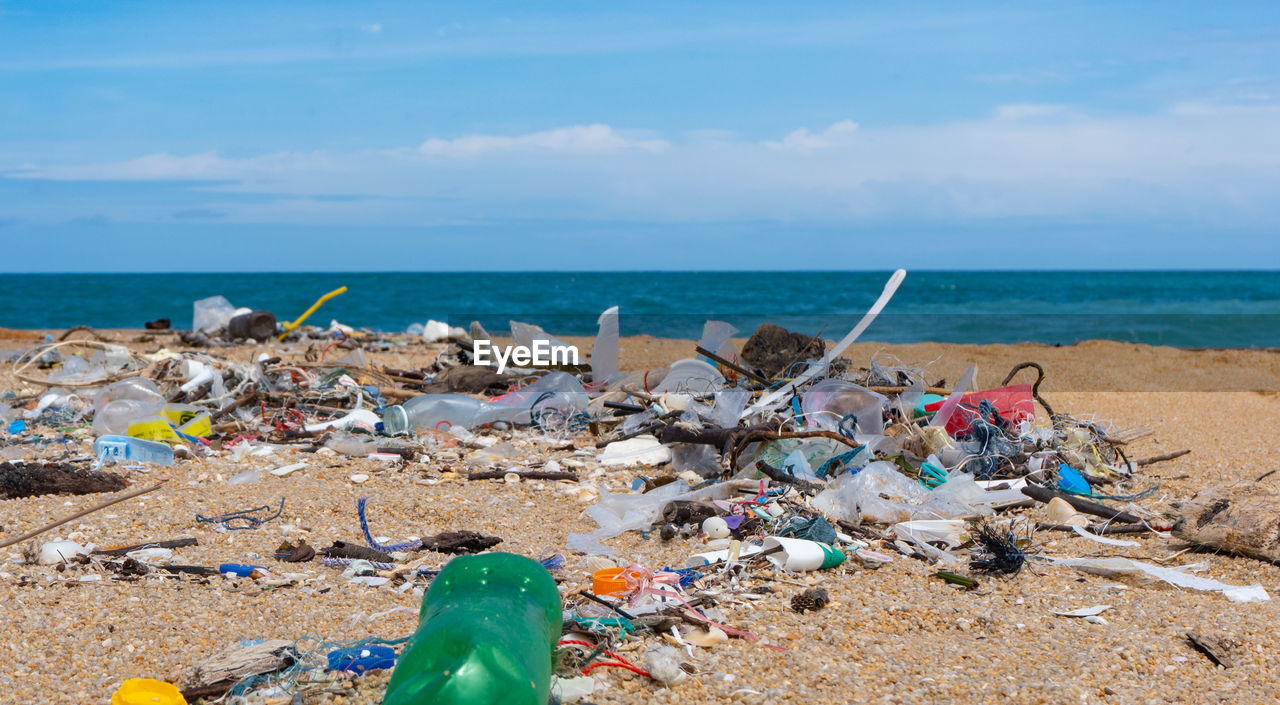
(1013, 402)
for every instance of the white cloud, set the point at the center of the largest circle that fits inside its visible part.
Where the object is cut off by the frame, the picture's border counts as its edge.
(195, 167)
(372, 28)
(802, 139)
(1025, 111)
(1023, 161)
(578, 139)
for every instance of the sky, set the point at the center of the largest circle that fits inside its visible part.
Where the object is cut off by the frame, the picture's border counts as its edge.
(227, 136)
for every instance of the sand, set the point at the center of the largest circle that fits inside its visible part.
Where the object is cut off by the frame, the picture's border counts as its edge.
(892, 635)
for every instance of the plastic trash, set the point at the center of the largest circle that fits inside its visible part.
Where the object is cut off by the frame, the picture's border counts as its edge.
(557, 392)
(137, 388)
(358, 417)
(1014, 404)
(115, 417)
(55, 552)
(691, 375)
(641, 450)
(240, 570)
(728, 407)
(830, 400)
(802, 556)
(358, 659)
(172, 423)
(248, 477)
(77, 370)
(890, 288)
(879, 493)
(58, 400)
(147, 691)
(526, 334)
(351, 445)
(258, 325)
(699, 560)
(949, 406)
(604, 354)
(211, 314)
(609, 581)
(120, 449)
(695, 457)
(717, 336)
(1070, 480)
(1180, 576)
(487, 629)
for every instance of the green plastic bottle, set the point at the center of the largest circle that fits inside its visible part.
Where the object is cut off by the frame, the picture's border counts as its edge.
(487, 630)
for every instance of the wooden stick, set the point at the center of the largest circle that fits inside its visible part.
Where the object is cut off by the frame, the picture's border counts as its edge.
(779, 476)
(524, 474)
(1161, 458)
(77, 515)
(733, 366)
(1044, 494)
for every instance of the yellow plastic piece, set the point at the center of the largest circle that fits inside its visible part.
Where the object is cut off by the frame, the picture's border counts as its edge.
(320, 301)
(147, 691)
(158, 428)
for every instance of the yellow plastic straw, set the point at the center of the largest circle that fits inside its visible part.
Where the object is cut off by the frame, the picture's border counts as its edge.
(320, 301)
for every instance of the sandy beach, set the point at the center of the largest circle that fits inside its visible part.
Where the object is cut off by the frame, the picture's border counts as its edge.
(890, 635)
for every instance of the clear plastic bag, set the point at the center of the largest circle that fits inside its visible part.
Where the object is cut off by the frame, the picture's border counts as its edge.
(882, 495)
(211, 314)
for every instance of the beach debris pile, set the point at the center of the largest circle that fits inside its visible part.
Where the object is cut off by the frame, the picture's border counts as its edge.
(773, 473)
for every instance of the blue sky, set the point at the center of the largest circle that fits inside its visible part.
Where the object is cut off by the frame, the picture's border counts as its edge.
(151, 136)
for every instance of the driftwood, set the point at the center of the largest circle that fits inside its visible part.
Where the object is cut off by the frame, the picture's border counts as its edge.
(779, 476)
(1216, 648)
(19, 480)
(524, 475)
(1044, 494)
(1244, 522)
(459, 542)
(1160, 458)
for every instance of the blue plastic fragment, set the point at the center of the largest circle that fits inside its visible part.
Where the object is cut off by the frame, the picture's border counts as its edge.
(358, 659)
(239, 570)
(1070, 480)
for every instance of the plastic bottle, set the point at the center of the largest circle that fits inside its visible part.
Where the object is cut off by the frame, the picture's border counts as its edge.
(429, 410)
(487, 629)
(137, 388)
(124, 448)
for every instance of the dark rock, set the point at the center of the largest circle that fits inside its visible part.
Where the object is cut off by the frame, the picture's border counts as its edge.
(773, 348)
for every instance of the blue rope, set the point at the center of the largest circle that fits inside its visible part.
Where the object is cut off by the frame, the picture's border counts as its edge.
(388, 548)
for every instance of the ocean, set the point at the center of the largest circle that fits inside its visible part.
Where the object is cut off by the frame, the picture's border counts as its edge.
(1212, 309)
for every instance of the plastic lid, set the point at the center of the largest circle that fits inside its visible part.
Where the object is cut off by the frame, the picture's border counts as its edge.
(146, 691)
(609, 581)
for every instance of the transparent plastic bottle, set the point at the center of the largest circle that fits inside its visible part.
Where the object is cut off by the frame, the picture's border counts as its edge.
(561, 390)
(124, 402)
